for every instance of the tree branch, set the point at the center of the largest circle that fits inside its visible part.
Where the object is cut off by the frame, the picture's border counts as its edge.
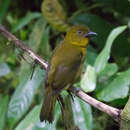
(21, 45)
(111, 111)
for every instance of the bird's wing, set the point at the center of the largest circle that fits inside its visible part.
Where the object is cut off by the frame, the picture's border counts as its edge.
(64, 73)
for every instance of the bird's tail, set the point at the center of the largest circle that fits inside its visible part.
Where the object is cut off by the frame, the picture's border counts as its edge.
(48, 106)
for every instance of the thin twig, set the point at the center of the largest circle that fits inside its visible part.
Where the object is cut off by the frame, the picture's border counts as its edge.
(21, 45)
(111, 111)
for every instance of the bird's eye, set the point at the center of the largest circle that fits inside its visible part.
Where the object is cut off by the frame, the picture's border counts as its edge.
(79, 32)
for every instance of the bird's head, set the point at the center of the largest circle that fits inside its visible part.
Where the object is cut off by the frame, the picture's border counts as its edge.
(79, 35)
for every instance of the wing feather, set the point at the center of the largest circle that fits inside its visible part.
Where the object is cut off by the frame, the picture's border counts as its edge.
(65, 72)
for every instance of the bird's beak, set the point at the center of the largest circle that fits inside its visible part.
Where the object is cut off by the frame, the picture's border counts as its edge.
(90, 34)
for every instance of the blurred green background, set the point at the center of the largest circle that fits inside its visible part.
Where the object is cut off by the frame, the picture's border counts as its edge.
(106, 69)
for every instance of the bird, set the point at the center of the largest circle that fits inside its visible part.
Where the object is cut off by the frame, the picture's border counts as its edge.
(65, 67)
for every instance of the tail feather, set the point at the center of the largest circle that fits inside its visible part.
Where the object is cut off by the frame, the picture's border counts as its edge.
(48, 106)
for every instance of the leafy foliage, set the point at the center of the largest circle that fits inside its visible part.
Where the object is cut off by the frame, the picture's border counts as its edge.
(22, 98)
(103, 57)
(3, 110)
(106, 67)
(4, 69)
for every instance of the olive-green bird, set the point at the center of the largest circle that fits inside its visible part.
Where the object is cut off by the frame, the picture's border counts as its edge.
(65, 67)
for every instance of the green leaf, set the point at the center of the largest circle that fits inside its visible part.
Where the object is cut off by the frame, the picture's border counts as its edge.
(32, 120)
(45, 49)
(88, 82)
(103, 57)
(91, 56)
(117, 89)
(120, 6)
(82, 115)
(36, 36)
(3, 110)
(29, 121)
(108, 71)
(23, 96)
(3, 8)
(4, 69)
(87, 113)
(35, 40)
(25, 20)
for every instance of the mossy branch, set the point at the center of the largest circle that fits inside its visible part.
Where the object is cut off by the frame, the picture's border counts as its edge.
(111, 111)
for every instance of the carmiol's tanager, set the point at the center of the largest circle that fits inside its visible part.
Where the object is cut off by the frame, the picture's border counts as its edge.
(65, 67)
